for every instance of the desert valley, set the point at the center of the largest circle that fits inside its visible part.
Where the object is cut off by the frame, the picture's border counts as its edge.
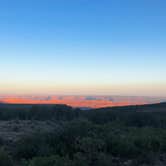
(81, 101)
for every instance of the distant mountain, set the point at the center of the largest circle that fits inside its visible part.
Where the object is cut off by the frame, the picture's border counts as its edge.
(81, 101)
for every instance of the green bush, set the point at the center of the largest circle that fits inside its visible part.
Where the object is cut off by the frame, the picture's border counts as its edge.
(50, 161)
(33, 145)
(5, 159)
(148, 143)
(148, 159)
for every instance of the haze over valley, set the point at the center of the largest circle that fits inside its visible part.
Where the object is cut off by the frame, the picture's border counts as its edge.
(80, 101)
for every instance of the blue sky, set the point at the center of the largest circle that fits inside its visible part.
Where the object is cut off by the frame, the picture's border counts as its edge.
(83, 47)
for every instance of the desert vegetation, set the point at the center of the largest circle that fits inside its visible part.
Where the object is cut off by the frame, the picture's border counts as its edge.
(59, 135)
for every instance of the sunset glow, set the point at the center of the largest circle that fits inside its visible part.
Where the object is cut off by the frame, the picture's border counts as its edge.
(80, 101)
(58, 48)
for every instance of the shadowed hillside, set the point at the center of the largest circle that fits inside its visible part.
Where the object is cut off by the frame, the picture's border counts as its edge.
(59, 135)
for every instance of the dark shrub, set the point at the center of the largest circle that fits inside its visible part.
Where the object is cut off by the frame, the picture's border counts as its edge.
(50, 161)
(5, 159)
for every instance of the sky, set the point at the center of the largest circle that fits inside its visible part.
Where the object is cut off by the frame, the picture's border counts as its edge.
(83, 47)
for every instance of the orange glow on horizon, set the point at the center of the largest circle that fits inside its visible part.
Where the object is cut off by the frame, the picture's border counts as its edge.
(73, 101)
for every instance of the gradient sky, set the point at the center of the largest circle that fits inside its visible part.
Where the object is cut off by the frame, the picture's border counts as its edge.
(112, 47)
